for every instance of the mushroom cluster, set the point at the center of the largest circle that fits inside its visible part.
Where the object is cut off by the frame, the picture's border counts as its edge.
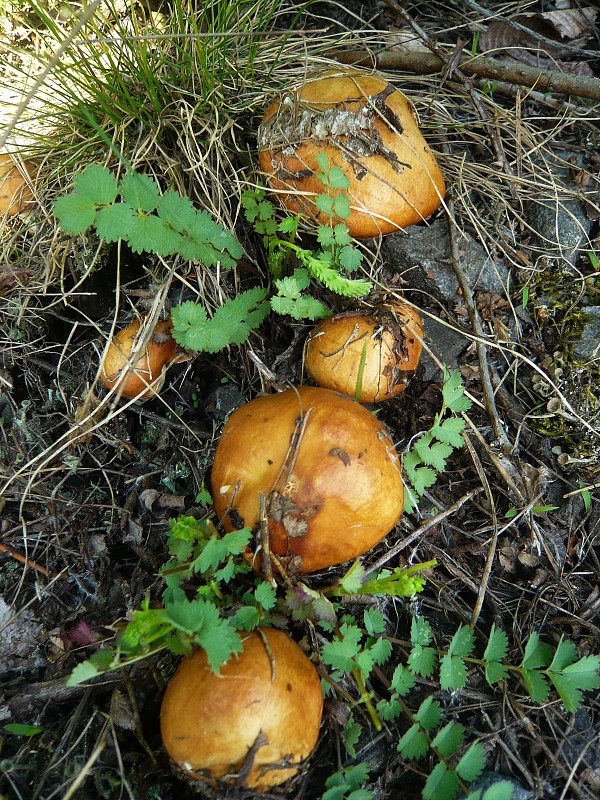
(310, 470)
(365, 127)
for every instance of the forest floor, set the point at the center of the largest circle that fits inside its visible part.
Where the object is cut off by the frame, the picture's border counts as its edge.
(505, 275)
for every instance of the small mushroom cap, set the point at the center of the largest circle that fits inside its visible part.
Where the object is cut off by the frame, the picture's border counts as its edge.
(326, 468)
(15, 192)
(391, 339)
(211, 724)
(367, 129)
(145, 378)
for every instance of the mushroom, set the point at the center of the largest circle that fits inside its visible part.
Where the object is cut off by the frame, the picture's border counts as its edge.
(15, 192)
(313, 472)
(365, 127)
(145, 377)
(370, 356)
(254, 723)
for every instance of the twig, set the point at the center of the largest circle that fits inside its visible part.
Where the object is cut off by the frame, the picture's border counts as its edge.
(422, 529)
(467, 296)
(422, 63)
(23, 559)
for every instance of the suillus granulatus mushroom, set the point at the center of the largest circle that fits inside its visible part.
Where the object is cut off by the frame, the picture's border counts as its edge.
(367, 128)
(144, 377)
(368, 355)
(254, 723)
(313, 472)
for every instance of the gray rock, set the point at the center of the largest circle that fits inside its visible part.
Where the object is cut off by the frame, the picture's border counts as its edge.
(447, 345)
(561, 229)
(588, 347)
(421, 255)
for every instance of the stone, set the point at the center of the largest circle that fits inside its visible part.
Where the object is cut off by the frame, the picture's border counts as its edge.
(422, 257)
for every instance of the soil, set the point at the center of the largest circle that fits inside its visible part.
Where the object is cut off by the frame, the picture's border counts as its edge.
(513, 521)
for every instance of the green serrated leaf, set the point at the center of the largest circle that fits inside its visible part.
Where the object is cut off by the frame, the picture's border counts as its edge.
(341, 206)
(325, 235)
(75, 213)
(338, 178)
(453, 392)
(245, 619)
(353, 579)
(98, 663)
(324, 204)
(340, 654)
(303, 307)
(341, 235)
(381, 650)
(472, 764)
(585, 672)
(115, 222)
(497, 646)
(176, 210)
(351, 734)
(422, 660)
(567, 690)
(218, 639)
(151, 234)
(265, 596)
(494, 672)
(374, 621)
(442, 784)
(97, 184)
(536, 685)
(429, 714)
(537, 654)
(450, 431)
(421, 631)
(564, 655)
(140, 191)
(433, 454)
(414, 743)
(389, 709)
(463, 642)
(449, 739)
(453, 672)
(350, 258)
(403, 680)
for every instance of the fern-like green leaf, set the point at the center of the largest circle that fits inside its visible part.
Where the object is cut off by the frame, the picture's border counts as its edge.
(453, 672)
(472, 764)
(450, 431)
(442, 784)
(421, 631)
(463, 642)
(537, 654)
(585, 672)
(536, 685)
(414, 743)
(497, 646)
(494, 672)
(115, 222)
(429, 714)
(453, 392)
(564, 655)
(422, 660)
(449, 739)
(567, 691)
(402, 680)
(176, 210)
